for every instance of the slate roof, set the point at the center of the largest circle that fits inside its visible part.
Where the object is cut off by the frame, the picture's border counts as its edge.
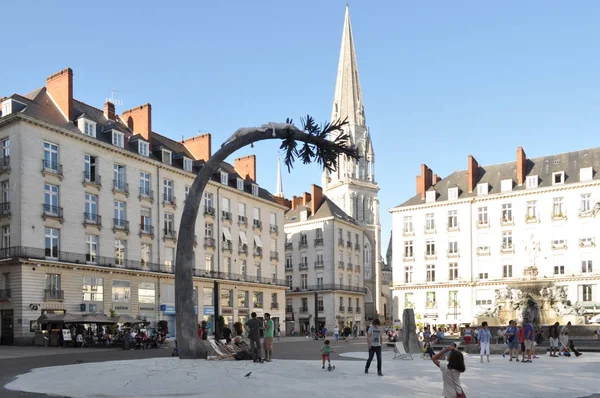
(326, 209)
(543, 167)
(40, 106)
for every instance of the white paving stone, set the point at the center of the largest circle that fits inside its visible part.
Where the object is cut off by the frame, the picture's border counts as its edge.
(162, 377)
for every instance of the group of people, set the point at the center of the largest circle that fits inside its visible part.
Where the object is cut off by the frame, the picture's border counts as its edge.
(254, 326)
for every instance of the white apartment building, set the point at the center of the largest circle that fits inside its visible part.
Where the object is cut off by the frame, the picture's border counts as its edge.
(323, 265)
(478, 230)
(91, 202)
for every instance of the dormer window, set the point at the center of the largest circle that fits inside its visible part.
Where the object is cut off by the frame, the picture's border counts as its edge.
(240, 184)
(87, 127)
(7, 107)
(254, 189)
(453, 193)
(187, 164)
(506, 185)
(166, 156)
(430, 196)
(143, 148)
(483, 188)
(531, 182)
(558, 178)
(586, 174)
(117, 139)
(224, 178)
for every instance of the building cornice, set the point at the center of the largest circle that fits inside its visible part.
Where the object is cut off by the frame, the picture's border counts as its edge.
(319, 221)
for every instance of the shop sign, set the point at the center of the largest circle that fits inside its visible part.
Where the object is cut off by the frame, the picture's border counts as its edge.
(243, 311)
(209, 310)
(227, 311)
(121, 308)
(168, 309)
(148, 309)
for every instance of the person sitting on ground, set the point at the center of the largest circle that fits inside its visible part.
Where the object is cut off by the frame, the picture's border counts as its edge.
(428, 350)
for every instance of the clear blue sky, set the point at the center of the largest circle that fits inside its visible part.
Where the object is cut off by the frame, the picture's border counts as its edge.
(440, 79)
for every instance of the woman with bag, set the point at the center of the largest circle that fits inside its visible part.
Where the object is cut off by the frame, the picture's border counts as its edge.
(451, 372)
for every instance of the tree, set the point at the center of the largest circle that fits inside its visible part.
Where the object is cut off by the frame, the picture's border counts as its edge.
(316, 147)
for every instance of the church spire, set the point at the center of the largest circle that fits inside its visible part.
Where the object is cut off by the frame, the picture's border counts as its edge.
(279, 192)
(347, 102)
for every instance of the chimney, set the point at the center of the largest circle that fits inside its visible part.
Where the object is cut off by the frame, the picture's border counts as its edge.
(436, 179)
(521, 165)
(283, 201)
(305, 198)
(424, 180)
(472, 169)
(60, 88)
(295, 201)
(199, 146)
(139, 119)
(316, 193)
(246, 167)
(109, 111)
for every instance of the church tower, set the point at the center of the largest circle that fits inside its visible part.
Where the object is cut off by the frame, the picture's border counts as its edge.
(352, 186)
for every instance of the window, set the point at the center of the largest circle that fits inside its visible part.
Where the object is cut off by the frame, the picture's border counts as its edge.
(166, 156)
(557, 207)
(143, 148)
(586, 203)
(240, 184)
(586, 266)
(408, 300)
(319, 281)
(224, 178)
(558, 243)
(257, 222)
(227, 298)
(51, 199)
(304, 306)
(146, 293)
(89, 129)
(452, 247)
(243, 268)
(254, 189)
(225, 210)
(320, 305)
(53, 284)
(482, 189)
(430, 196)
(304, 281)
(429, 222)
(228, 265)
(453, 299)
(208, 298)
(209, 264)
(6, 236)
(92, 289)
(531, 210)
(91, 208)
(288, 281)
(187, 192)
(6, 148)
(430, 273)
(482, 215)
(145, 184)
(146, 254)
(119, 252)
(52, 243)
(168, 191)
(558, 178)
(242, 299)
(208, 230)
(453, 193)
(453, 271)
(483, 275)
(430, 247)
(531, 182)
(507, 212)
(117, 139)
(119, 177)
(507, 271)
(507, 242)
(90, 170)
(408, 274)
(208, 201)
(506, 185)
(242, 213)
(258, 270)
(258, 300)
(169, 256)
(119, 213)
(121, 291)
(146, 221)
(5, 192)
(169, 224)
(586, 242)
(559, 270)
(288, 262)
(586, 174)
(586, 293)
(430, 299)
(452, 219)
(91, 245)
(187, 164)
(51, 156)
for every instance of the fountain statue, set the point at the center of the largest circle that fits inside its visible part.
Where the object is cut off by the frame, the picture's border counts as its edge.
(409, 333)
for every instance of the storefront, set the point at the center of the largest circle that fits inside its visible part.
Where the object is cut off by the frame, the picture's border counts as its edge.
(209, 318)
(228, 317)
(168, 314)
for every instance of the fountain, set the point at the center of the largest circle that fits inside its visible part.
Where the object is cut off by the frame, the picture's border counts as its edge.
(409, 334)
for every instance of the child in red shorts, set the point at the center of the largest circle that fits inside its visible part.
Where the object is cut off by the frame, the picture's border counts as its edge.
(326, 349)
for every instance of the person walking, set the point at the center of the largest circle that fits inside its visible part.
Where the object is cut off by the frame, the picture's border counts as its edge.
(269, 331)
(529, 336)
(336, 334)
(484, 337)
(374, 344)
(355, 331)
(253, 327)
(451, 372)
(553, 336)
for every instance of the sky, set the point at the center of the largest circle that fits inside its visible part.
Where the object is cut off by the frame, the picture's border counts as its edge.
(440, 80)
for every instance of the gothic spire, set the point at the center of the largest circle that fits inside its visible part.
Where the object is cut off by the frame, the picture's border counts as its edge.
(279, 192)
(347, 101)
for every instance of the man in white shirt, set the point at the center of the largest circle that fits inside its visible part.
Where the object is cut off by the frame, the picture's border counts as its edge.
(336, 334)
(374, 343)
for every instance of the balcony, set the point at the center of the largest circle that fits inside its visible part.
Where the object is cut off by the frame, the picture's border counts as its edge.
(303, 266)
(289, 309)
(587, 242)
(507, 221)
(349, 244)
(559, 245)
(408, 232)
(532, 219)
(257, 224)
(258, 251)
(92, 219)
(430, 305)
(483, 251)
(209, 211)
(289, 268)
(289, 246)
(318, 242)
(453, 253)
(431, 256)
(54, 212)
(147, 194)
(226, 245)
(350, 309)
(408, 257)
(91, 179)
(453, 304)
(341, 242)
(507, 248)
(274, 255)
(146, 230)
(357, 268)
(52, 168)
(243, 249)
(482, 224)
(274, 306)
(5, 294)
(430, 229)
(273, 229)
(209, 242)
(452, 227)
(342, 308)
(341, 264)
(303, 244)
(226, 215)
(357, 247)
(4, 164)
(169, 200)
(319, 264)
(559, 216)
(120, 224)
(349, 266)
(242, 220)
(303, 310)
(53, 294)
(5, 210)
(120, 187)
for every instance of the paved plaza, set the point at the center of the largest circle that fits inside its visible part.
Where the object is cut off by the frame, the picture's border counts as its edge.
(117, 373)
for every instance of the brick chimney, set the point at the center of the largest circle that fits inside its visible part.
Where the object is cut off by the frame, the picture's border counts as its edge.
(109, 111)
(139, 119)
(316, 193)
(472, 169)
(283, 201)
(521, 165)
(60, 88)
(424, 180)
(199, 146)
(295, 201)
(246, 167)
(436, 179)
(305, 198)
